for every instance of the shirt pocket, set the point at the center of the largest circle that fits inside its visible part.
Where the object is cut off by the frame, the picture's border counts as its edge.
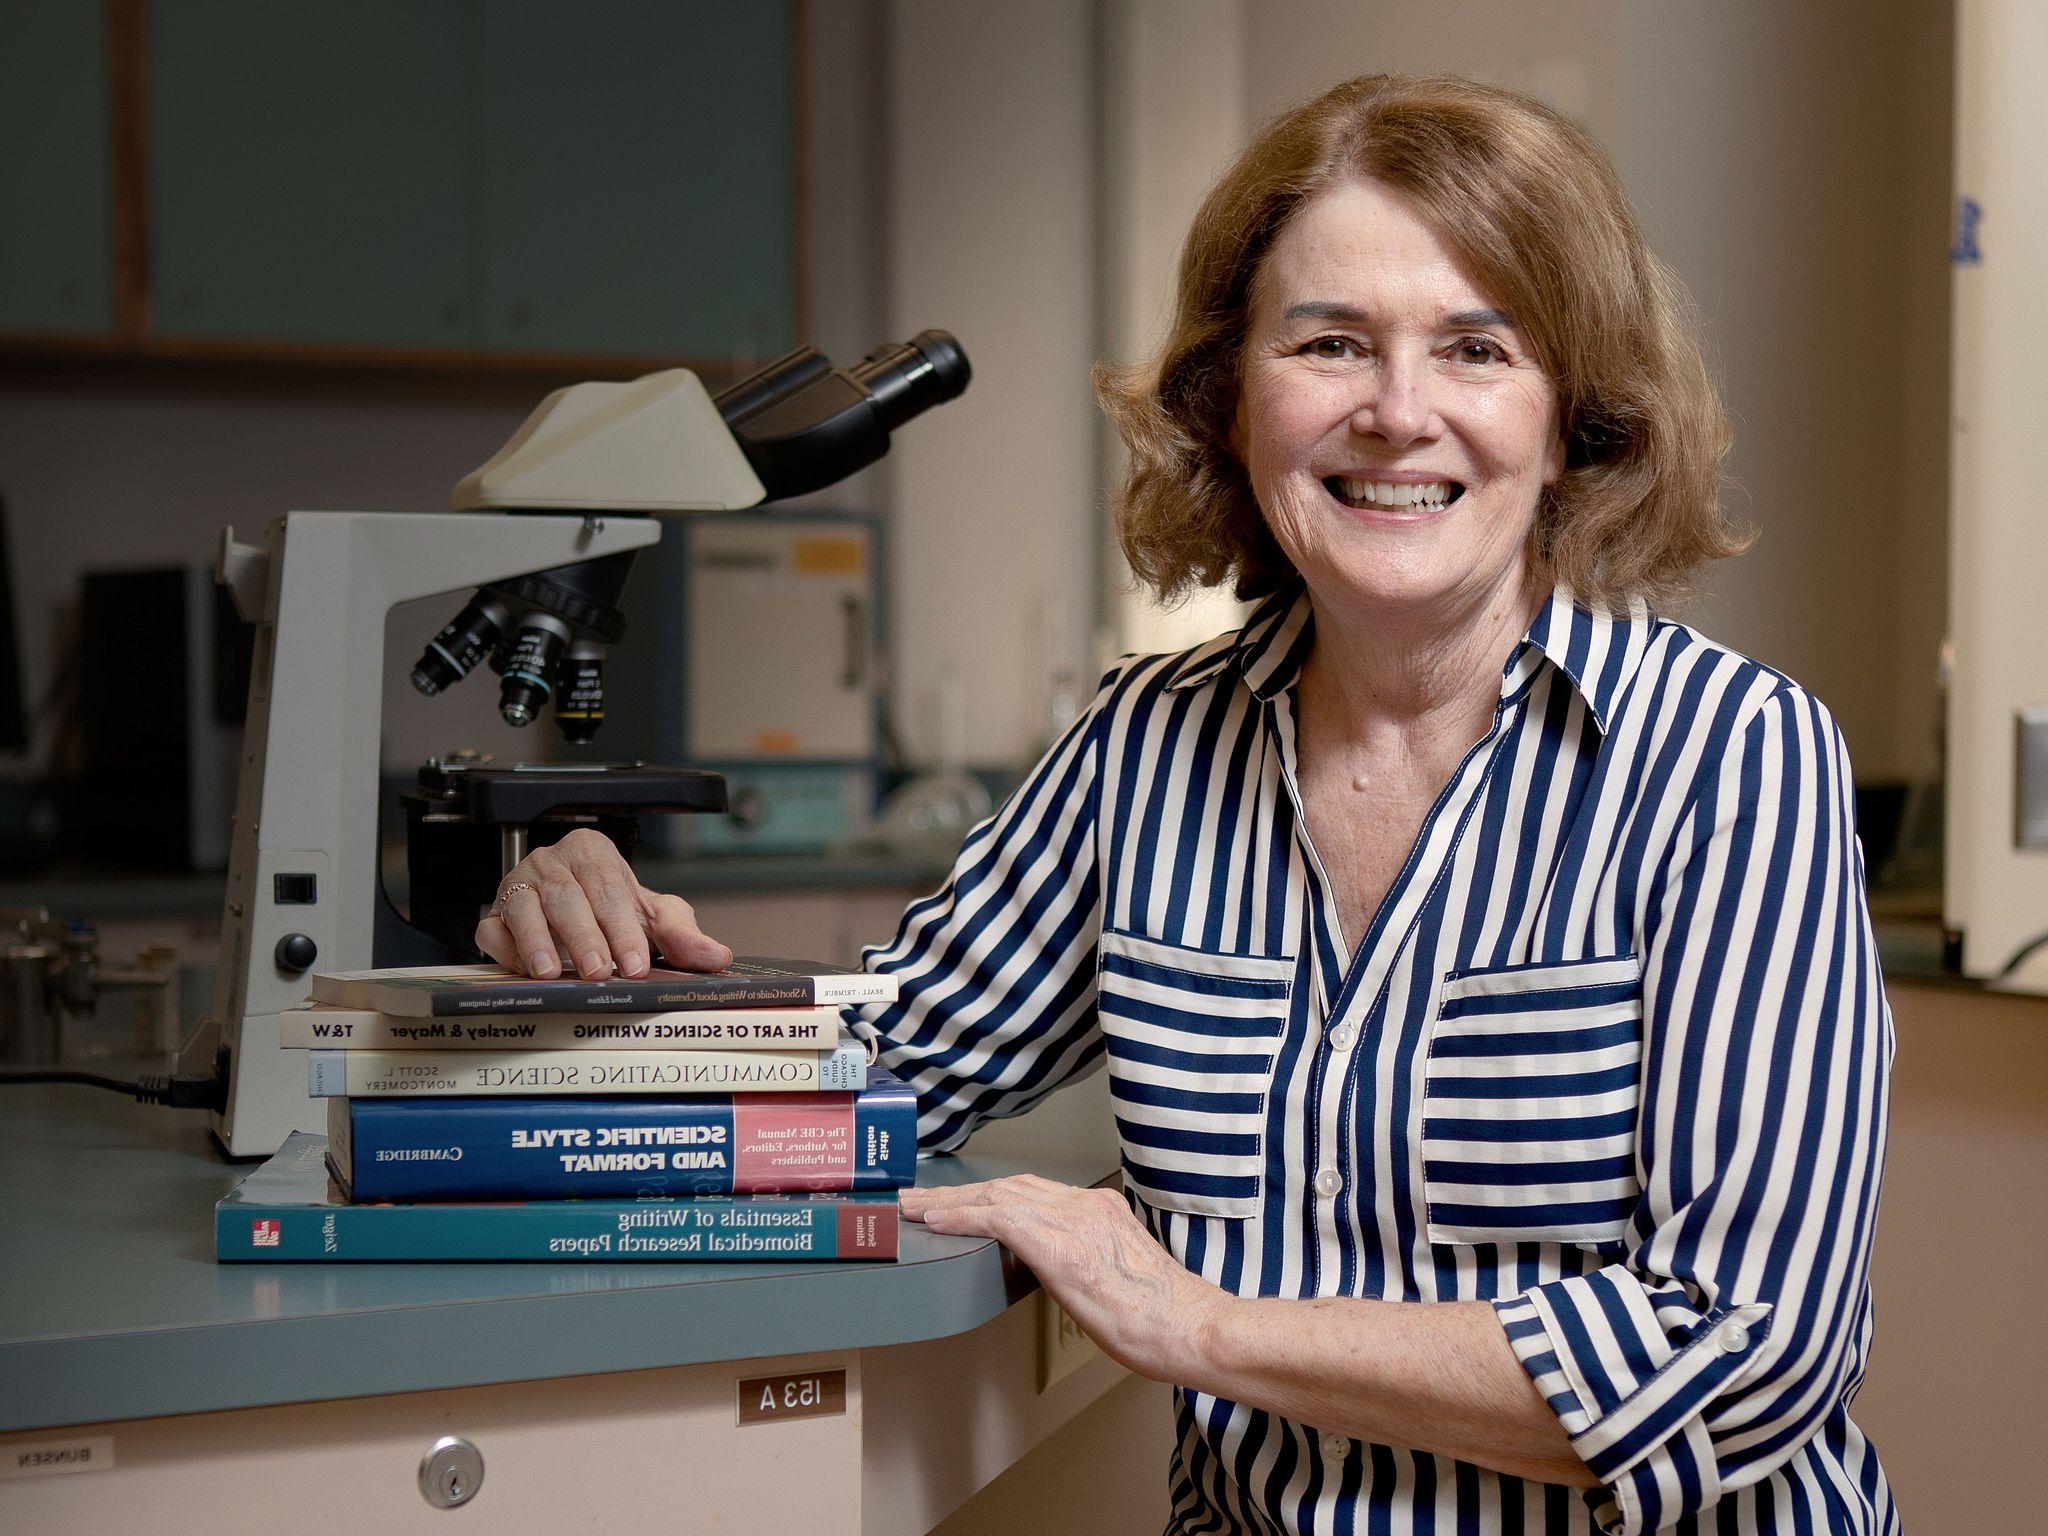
(1191, 1038)
(1533, 1084)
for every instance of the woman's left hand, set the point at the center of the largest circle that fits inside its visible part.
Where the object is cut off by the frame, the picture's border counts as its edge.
(1095, 1258)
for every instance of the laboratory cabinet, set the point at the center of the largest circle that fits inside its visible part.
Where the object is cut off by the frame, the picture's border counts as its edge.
(143, 1386)
(878, 1441)
(386, 181)
(637, 190)
(308, 172)
(56, 262)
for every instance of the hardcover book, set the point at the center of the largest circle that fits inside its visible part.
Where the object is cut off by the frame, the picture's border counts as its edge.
(449, 1074)
(441, 991)
(323, 1026)
(290, 1211)
(532, 1149)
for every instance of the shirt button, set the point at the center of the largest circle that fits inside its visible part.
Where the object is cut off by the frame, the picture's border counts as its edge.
(1341, 1038)
(1336, 1449)
(1733, 1339)
(1329, 1181)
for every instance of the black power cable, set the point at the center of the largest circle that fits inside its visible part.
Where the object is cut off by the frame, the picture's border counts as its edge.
(2020, 958)
(168, 1089)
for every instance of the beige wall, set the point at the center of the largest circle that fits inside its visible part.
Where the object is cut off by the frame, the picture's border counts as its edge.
(991, 226)
(1566, 51)
(1791, 162)
(1919, 539)
(1174, 113)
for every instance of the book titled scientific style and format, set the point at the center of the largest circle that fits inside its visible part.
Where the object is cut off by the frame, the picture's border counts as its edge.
(584, 1148)
(446, 1074)
(290, 1210)
(455, 990)
(323, 1026)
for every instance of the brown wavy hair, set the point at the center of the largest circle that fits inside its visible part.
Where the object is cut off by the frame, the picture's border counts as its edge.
(1534, 210)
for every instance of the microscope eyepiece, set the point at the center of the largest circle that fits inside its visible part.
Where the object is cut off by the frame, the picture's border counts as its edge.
(804, 424)
(911, 377)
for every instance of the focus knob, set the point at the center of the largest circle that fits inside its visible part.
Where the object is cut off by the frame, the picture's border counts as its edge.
(296, 952)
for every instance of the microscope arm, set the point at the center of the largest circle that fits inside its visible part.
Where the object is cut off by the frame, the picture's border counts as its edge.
(306, 806)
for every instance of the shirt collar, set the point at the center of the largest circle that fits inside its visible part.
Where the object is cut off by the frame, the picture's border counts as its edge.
(1597, 647)
(1269, 650)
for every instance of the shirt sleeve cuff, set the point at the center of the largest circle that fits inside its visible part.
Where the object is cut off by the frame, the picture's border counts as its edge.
(1629, 1376)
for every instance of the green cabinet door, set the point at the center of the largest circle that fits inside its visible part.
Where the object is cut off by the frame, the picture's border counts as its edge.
(56, 230)
(309, 171)
(637, 177)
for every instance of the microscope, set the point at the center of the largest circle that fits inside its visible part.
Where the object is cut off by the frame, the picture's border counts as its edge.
(543, 535)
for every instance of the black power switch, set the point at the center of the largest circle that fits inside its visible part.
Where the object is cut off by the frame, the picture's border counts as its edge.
(296, 890)
(296, 952)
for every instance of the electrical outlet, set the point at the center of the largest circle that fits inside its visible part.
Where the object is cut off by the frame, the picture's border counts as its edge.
(2030, 779)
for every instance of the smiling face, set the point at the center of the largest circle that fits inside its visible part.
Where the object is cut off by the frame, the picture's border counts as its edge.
(1394, 423)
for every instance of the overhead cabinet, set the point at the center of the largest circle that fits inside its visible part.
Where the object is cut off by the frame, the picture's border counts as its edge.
(309, 172)
(635, 175)
(56, 237)
(464, 179)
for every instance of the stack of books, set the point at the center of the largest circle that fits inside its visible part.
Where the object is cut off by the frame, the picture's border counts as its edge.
(476, 1114)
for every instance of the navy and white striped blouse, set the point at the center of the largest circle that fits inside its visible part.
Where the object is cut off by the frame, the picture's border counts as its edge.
(1612, 1055)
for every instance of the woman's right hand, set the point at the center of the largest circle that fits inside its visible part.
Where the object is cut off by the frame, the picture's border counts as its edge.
(578, 906)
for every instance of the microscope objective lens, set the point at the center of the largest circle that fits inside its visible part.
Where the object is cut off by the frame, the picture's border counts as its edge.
(464, 641)
(579, 697)
(537, 650)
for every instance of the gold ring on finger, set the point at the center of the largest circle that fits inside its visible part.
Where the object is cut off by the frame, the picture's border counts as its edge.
(504, 896)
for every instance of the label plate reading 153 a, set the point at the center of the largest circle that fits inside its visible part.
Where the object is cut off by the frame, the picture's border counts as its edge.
(804, 1395)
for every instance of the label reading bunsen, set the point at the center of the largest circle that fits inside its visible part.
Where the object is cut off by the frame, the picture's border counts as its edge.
(804, 1395)
(50, 1458)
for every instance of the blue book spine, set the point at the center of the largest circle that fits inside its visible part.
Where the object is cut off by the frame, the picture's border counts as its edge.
(633, 1147)
(753, 1228)
(287, 1211)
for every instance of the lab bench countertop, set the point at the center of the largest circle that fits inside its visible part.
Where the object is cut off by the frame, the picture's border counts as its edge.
(112, 1306)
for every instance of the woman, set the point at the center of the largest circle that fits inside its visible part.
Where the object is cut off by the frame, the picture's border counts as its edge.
(1480, 960)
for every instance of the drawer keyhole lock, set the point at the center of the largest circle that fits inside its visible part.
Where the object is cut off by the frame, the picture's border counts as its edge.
(451, 1472)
